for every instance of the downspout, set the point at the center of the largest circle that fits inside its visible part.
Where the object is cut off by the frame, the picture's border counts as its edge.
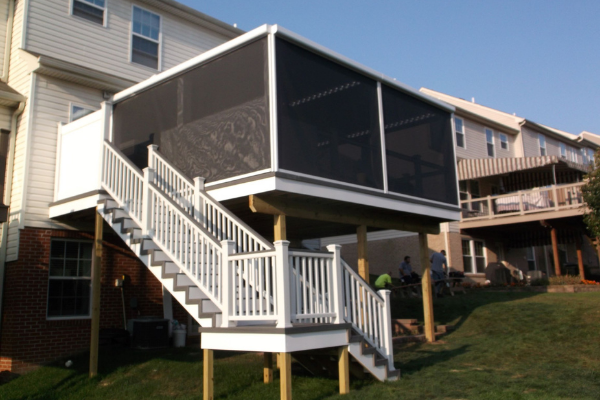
(9, 180)
(8, 44)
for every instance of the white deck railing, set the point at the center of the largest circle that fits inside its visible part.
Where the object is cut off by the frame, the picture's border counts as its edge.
(190, 195)
(369, 312)
(553, 198)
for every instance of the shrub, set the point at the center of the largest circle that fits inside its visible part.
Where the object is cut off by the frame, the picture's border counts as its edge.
(565, 280)
(540, 282)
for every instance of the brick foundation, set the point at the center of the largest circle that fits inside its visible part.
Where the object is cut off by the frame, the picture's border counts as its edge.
(28, 339)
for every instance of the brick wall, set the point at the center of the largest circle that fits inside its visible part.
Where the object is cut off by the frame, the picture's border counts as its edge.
(29, 339)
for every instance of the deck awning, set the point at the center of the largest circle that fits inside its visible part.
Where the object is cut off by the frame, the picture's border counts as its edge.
(482, 167)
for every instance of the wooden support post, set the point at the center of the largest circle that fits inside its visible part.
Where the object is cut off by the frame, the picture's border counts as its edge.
(363, 257)
(427, 289)
(208, 379)
(555, 251)
(344, 369)
(580, 258)
(285, 376)
(268, 367)
(279, 228)
(96, 275)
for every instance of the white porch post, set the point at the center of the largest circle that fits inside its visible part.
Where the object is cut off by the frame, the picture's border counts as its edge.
(151, 149)
(199, 213)
(338, 284)
(147, 202)
(284, 309)
(387, 326)
(227, 249)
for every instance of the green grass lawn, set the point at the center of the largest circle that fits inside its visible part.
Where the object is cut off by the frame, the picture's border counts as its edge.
(505, 346)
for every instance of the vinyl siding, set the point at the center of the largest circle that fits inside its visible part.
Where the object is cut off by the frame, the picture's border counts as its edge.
(532, 145)
(476, 145)
(5, 117)
(3, 24)
(19, 79)
(52, 31)
(53, 99)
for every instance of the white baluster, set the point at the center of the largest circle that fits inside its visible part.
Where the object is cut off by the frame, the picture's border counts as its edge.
(283, 305)
(227, 249)
(337, 283)
(147, 202)
(198, 200)
(387, 327)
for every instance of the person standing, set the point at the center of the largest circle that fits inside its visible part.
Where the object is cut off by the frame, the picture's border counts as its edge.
(438, 261)
(406, 272)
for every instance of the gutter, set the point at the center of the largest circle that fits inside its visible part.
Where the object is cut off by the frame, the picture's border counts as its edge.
(9, 174)
(8, 43)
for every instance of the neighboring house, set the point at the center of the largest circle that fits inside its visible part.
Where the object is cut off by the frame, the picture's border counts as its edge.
(520, 186)
(204, 174)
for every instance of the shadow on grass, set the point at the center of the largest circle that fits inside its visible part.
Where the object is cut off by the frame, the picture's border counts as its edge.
(430, 359)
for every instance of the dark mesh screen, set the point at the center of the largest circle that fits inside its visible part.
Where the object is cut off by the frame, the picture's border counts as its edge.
(211, 121)
(327, 118)
(419, 148)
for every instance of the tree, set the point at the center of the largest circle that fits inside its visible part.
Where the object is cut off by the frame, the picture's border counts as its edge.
(591, 196)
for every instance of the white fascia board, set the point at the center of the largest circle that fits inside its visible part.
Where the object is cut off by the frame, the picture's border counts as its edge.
(206, 56)
(75, 205)
(347, 195)
(243, 189)
(328, 53)
(273, 342)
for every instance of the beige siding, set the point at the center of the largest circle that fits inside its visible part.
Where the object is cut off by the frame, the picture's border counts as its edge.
(54, 32)
(53, 99)
(19, 79)
(3, 25)
(5, 117)
(476, 145)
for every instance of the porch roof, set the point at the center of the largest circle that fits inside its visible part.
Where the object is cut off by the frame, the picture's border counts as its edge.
(482, 167)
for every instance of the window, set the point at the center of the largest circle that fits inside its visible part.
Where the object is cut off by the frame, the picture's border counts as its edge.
(573, 153)
(460, 132)
(591, 156)
(503, 141)
(145, 38)
(542, 140)
(473, 256)
(489, 138)
(530, 258)
(92, 10)
(79, 112)
(584, 156)
(69, 279)
(563, 150)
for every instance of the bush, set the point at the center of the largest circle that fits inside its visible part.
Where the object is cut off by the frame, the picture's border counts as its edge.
(565, 280)
(540, 282)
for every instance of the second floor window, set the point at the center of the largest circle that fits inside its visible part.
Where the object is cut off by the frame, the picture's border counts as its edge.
(542, 140)
(79, 112)
(92, 10)
(573, 154)
(489, 138)
(503, 141)
(460, 132)
(563, 150)
(590, 156)
(145, 38)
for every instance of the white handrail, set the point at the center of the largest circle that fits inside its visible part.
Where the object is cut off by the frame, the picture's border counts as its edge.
(191, 196)
(366, 311)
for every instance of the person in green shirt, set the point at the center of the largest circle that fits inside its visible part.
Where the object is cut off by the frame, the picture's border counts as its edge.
(383, 281)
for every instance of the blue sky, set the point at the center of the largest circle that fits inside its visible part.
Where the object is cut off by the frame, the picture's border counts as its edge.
(539, 59)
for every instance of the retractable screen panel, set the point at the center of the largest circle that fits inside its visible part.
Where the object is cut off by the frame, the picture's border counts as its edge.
(419, 148)
(328, 120)
(211, 121)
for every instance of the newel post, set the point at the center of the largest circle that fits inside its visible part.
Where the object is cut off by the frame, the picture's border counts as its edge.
(152, 148)
(337, 275)
(284, 309)
(387, 326)
(147, 202)
(199, 213)
(227, 249)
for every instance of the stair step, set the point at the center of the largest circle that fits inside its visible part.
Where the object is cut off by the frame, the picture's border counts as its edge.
(119, 213)
(209, 307)
(171, 268)
(194, 293)
(182, 280)
(110, 204)
(148, 244)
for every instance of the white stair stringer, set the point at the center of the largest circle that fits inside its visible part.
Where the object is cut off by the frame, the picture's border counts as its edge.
(373, 361)
(181, 287)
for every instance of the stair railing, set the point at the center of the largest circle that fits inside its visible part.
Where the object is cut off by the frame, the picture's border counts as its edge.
(191, 196)
(184, 240)
(369, 312)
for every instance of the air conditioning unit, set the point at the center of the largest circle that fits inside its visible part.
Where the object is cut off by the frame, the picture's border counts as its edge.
(149, 332)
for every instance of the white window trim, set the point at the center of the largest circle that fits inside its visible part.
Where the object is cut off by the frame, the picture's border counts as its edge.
(159, 41)
(561, 147)
(505, 136)
(573, 154)
(69, 317)
(473, 256)
(71, 105)
(492, 142)
(464, 146)
(104, 16)
(540, 137)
